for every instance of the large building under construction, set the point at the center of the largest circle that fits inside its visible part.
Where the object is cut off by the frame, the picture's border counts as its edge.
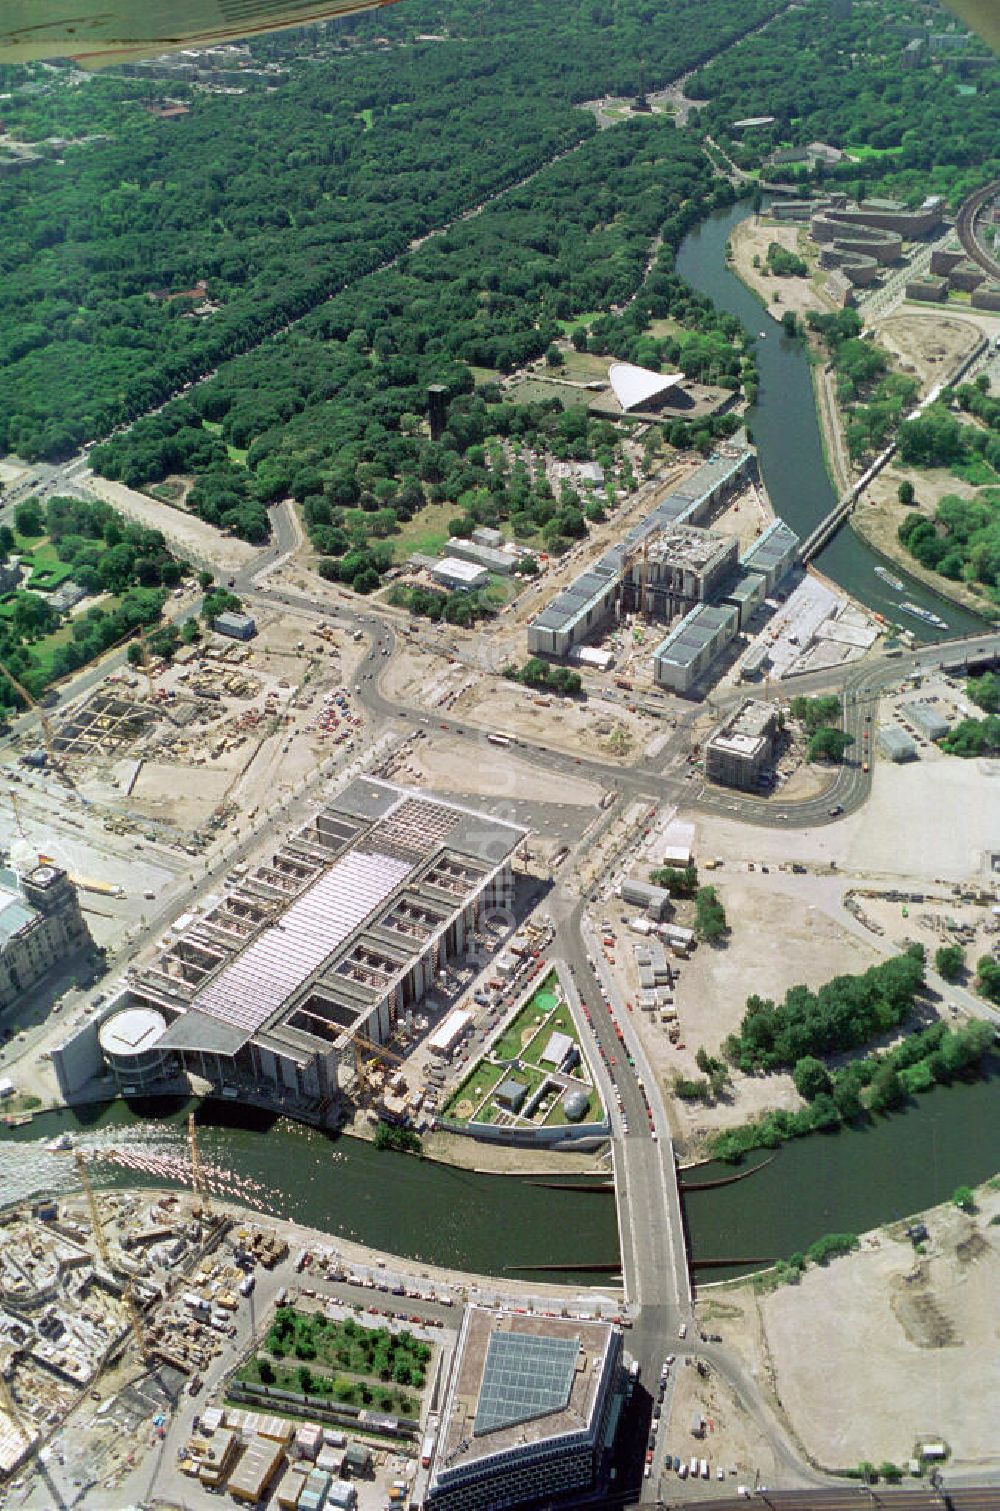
(666, 559)
(337, 933)
(672, 569)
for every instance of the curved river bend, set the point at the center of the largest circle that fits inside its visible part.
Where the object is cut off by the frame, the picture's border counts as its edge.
(846, 1181)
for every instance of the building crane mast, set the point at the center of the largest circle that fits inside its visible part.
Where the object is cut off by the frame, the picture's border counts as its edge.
(10, 1406)
(55, 761)
(362, 1071)
(135, 1321)
(197, 1174)
(95, 1216)
(146, 664)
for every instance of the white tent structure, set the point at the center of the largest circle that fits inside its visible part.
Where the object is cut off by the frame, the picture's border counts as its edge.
(635, 387)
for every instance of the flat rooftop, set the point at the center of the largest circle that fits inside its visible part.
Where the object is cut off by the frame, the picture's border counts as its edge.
(317, 933)
(694, 632)
(519, 1380)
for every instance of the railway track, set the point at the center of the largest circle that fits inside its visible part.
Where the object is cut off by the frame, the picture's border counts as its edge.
(965, 227)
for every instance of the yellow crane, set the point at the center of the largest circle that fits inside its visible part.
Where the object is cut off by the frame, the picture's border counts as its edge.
(95, 1216)
(146, 666)
(135, 1321)
(362, 1071)
(197, 1175)
(43, 719)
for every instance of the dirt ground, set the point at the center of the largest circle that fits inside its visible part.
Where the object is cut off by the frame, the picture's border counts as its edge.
(751, 238)
(444, 764)
(922, 820)
(712, 986)
(469, 1154)
(199, 541)
(926, 346)
(730, 1439)
(933, 1321)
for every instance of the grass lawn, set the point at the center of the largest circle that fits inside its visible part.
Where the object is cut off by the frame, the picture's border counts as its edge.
(583, 367)
(427, 532)
(43, 650)
(560, 1022)
(864, 153)
(532, 1015)
(569, 326)
(529, 1077)
(481, 375)
(536, 389)
(557, 1114)
(478, 1084)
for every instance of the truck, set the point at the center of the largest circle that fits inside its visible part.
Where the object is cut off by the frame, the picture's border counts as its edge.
(427, 1450)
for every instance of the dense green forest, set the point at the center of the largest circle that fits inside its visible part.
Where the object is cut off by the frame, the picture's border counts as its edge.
(961, 540)
(836, 74)
(331, 410)
(277, 198)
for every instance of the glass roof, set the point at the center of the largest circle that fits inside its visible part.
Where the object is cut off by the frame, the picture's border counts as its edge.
(524, 1377)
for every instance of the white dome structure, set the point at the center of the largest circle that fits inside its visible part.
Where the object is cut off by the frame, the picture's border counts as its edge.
(635, 387)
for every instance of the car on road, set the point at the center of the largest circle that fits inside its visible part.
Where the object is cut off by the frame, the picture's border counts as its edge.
(836, 810)
(682, 1330)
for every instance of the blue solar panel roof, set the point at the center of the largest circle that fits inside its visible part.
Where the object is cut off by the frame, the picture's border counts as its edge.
(525, 1376)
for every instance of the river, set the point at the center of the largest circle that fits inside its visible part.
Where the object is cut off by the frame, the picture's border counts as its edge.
(786, 432)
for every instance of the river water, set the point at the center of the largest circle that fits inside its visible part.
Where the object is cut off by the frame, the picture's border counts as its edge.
(786, 432)
(825, 1183)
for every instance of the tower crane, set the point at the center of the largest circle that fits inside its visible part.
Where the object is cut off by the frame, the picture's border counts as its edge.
(362, 1071)
(146, 666)
(10, 1406)
(95, 1216)
(197, 1174)
(135, 1321)
(55, 761)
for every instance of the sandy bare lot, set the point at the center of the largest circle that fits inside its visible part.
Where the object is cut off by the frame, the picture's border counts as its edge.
(922, 820)
(200, 541)
(927, 345)
(450, 766)
(932, 1321)
(751, 238)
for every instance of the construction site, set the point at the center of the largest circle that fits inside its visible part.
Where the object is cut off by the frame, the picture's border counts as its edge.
(84, 1277)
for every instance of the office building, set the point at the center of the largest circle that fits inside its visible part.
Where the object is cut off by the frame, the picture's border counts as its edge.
(896, 744)
(674, 579)
(686, 654)
(236, 626)
(530, 1413)
(772, 553)
(743, 747)
(929, 723)
(341, 930)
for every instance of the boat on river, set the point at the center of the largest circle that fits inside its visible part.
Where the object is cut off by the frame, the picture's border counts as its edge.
(925, 614)
(891, 581)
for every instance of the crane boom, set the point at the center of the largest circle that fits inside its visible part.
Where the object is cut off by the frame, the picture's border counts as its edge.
(197, 1174)
(95, 1216)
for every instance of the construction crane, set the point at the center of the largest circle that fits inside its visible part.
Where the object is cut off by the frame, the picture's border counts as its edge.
(10, 1406)
(43, 719)
(95, 1216)
(16, 805)
(362, 1072)
(146, 665)
(197, 1174)
(135, 1321)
